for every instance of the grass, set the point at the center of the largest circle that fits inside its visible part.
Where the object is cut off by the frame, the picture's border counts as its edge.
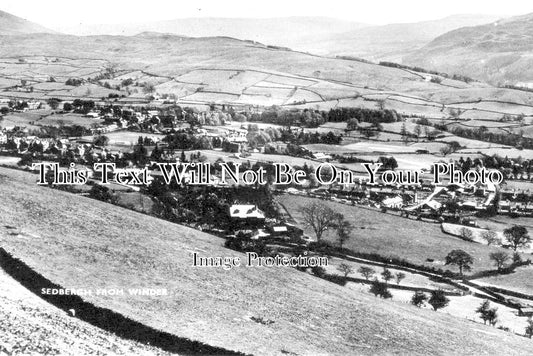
(391, 235)
(521, 280)
(29, 325)
(80, 242)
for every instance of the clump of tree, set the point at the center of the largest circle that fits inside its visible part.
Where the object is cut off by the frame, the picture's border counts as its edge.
(53, 103)
(487, 314)
(438, 299)
(101, 140)
(290, 118)
(460, 259)
(102, 193)
(380, 289)
(419, 298)
(76, 82)
(373, 116)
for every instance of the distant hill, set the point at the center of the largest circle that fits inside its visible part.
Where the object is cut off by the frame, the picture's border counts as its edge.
(500, 52)
(390, 42)
(13, 25)
(283, 31)
(321, 35)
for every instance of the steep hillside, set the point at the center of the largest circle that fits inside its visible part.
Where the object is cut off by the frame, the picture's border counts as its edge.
(78, 242)
(13, 25)
(390, 42)
(496, 52)
(29, 325)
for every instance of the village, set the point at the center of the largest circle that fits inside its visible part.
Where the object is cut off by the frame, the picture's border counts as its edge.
(119, 141)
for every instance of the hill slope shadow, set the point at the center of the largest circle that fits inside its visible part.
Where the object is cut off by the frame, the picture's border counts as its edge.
(103, 318)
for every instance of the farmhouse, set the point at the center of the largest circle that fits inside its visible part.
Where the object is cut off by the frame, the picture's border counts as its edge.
(246, 212)
(246, 216)
(394, 202)
(321, 156)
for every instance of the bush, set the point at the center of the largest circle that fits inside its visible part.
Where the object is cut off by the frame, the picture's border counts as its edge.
(380, 289)
(318, 271)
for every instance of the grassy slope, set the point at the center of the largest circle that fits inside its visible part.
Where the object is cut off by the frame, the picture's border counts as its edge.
(391, 235)
(30, 325)
(519, 281)
(80, 242)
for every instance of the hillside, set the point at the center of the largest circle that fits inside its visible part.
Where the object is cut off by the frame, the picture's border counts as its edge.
(13, 25)
(29, 325)
(225, 70)
(496, 52)
(78, 242)
(390, 42)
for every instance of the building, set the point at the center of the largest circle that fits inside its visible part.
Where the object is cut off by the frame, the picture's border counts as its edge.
(525, 311)
(246, 216)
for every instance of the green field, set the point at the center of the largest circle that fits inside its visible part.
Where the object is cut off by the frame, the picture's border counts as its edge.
(391, 235)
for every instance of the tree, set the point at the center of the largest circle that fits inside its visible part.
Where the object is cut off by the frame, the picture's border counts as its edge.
(529, 327)
(101, 193)
(53, 103)
(438, 299)
(345, 269)
(101, 140)
(418, 131)
(318, 271)
(386, 275)
(455, 113)
(366, 272)
(487, 313)
(399, 277)
(517, 236)
(67, 107)
(460, 259)
(319, 217)
(419, 298)
(466, 233)
(344, 228)
(499, 258)
(380, 289)
(404, 133)
(352, 124)
(483, 309)
(490, 236)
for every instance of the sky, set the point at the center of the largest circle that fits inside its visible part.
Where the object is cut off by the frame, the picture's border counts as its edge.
(59, 13)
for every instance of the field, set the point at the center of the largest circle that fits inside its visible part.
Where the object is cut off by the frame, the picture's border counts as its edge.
(127, 138)
(520, 280)
(228, 71)
(79, 242)
(391, 235)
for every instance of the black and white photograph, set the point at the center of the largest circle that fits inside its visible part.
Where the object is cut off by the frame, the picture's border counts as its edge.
(289, 177)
